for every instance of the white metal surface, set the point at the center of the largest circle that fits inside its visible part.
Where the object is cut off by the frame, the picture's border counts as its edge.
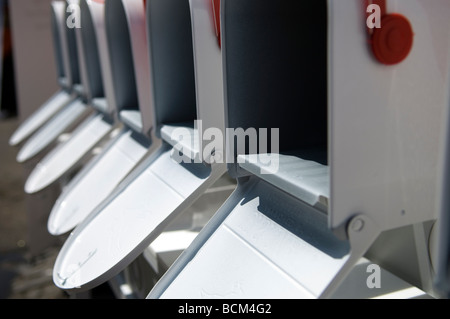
(392, 287)
(40, 117)
(208, 71)
(261, 244)
(95, 182)
(100, 176)
(143, 273)
(265, 244)
(120, 229)
(305, 180)
(385, 121)
(143, 205)
(101, 104)
(47, 134)
(185, 138)
(132, 118)
(68, 154)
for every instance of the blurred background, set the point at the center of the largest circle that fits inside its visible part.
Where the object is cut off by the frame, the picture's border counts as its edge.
(27, 79)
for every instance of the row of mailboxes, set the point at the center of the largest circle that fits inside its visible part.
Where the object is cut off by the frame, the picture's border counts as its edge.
(336, 134)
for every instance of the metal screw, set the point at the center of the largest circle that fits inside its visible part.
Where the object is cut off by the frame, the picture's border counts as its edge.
(358, 225)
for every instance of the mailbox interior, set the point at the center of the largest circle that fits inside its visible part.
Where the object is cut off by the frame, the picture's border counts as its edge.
(122, 67)
(171, 57)
(55, 25)
(73, 59)
(96, 93)
(276, 77)
(56, 102)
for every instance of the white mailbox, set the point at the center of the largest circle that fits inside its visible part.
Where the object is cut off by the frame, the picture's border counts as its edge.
(62, 97)
(67, 158)
(72, 113)
(125, 74)
(360, 133)
(186, 82)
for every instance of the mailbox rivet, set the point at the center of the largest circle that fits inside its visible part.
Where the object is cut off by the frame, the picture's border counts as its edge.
(357, 225)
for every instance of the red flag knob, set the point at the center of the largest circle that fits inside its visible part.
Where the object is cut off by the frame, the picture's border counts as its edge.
(392, 43)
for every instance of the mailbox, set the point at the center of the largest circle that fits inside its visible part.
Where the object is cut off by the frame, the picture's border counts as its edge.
(56, 102)
(67, 158)
(124, 99)
(186, 82)
(358, 114)
(69, 116)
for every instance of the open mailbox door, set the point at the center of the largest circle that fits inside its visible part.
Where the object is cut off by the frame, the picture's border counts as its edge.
(171, 179)
(358, 146)
(70, 155)
(132, 105)
(56, 102)
(69, 116)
